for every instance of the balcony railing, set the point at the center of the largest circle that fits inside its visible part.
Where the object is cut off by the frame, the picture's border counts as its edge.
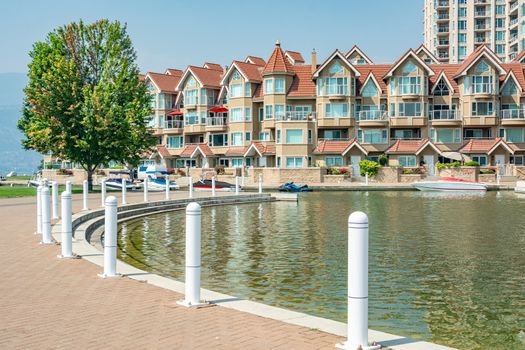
(481, 27)
(512, 114)
(444, 115)
(480, 14)
(333, 139)
(443, 29)
(480, 40)
(513, 6)
(443, 17)
(443, 43)
(372, 115)
(295, 116)
(216, 121)
(173, 124)
(443, 3)
(513, 22)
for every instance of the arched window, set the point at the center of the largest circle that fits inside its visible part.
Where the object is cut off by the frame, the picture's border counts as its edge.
(510, 88)
(410, 67)
(482, 67)
(441, 88)
(336, 68)
(370, 89)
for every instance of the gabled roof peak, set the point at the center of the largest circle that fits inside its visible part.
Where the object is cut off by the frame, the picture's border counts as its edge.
(342, 57)
(356, 49)
(403, 58)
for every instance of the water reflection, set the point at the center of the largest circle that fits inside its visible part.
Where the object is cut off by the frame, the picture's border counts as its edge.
(443, 267)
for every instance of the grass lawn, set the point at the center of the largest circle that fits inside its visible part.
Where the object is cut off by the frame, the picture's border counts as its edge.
(19, 178)
(9, 192)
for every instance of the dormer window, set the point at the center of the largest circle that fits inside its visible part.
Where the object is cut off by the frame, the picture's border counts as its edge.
(441, 88)
(510, 88)
(482, 67)
(370, 89)
(236, 75)
(410, 67)
(336, 68)
(191, 82)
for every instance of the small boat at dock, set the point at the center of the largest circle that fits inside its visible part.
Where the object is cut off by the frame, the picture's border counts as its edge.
(117, 183)
(159, 184)
(450, 184)
(206, 185)
(293, 188)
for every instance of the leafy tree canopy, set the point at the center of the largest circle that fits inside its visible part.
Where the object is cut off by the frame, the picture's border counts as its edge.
(84, 101)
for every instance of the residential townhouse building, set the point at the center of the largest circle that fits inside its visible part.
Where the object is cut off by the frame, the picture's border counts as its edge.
(285, 113)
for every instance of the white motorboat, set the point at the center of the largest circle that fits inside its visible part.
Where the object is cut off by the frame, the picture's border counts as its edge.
(449, 184)
(117, 183)
(159, 184)
(520, 187)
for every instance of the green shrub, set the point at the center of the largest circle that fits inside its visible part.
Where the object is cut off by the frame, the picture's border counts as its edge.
(220, 170)
(368, 166)
(472, 163)
(383, 160)
(117, 167)
(441, 166)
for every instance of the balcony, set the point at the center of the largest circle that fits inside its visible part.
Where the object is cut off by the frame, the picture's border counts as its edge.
(481, 27)
(510, 117)
(443, 43)
(444, 118)
(407, 121)
(443, 17)
(480, 120)
(513, 22)
(480, 2)
(173, 126)
(443, 30)
(442, 4)
(295, 116)
(372, 118)
(513, 7)
(480, 40)
(480, 14)
(335, 122)
(513, 39)
(443, 56)
(216, 123)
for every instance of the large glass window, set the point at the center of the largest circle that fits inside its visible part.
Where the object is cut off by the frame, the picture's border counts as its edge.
(279, 86)
(336, 86)
(412, 109)
(445, 135)
(407, 161)
(333, 161)
(248, 89)
(294, 136)
(237, 162)
(191, 118)
(264, 136)
(482, 108)
(248, 113)
(175, 141)
(332, 134)
(336, 110)
(218, 140)
(236, 115)
(279, 112)
(268, 86)
(372, 135)
(510, 88)
(236, 139)
(190, 97)
(294, 162)
(268, 112)
(514, 135)
(441, 88)
(480, 159)
(409, 85)
(482, 84)
(236, 90)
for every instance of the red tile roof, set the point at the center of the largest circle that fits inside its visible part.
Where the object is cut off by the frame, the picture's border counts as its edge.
(251, 71)
(142, 77)
(256, 60)
(165, 82)
(189, 150)
(408, 53)
(520, 56)
(449, 70)
(333, 146)
(485, 146)
(302, 84)
(263, 148)
(236, 151)
(163, 151)
(517, 70)
(213, 66)
(208, 77)
(295, 56)
(473, 57)
(359, 52)
(277, 63)
(409, 146)
(175, 72)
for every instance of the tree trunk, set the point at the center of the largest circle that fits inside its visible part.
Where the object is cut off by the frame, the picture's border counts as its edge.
(90, 179)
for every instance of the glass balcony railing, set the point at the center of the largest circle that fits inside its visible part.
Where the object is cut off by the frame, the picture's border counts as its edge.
(216, 121)
(173, 124)
(372, 115)
(444, 115)
(512, 114)
(295, 116)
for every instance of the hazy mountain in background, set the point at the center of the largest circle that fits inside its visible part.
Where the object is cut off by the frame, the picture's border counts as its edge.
(12, 155)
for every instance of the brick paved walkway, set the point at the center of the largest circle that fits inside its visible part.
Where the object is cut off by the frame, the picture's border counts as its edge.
(48, 303)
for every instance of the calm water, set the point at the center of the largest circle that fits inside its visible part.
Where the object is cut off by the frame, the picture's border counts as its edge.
(444, 268)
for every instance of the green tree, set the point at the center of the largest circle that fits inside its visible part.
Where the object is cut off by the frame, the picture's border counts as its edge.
(84, 101)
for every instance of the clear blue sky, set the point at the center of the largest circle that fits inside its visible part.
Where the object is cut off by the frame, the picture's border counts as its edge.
(177, 33)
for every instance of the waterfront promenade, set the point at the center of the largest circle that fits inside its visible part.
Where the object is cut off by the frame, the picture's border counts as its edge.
(49, 303)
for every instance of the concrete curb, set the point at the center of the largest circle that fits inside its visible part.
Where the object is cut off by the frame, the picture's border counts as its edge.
(88, 224)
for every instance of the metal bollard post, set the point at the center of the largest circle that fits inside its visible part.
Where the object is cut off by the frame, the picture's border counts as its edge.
(498, 179)
(69, 186)
(54, 199)
(192, 284)
(357, 325)
(46, 217)
(67, 233)
(260, 183)
(167, 187)
(124, 189)
(85, 192)
(110, 238)
(242, 180)
(146, 198)
(366, 178)
(236, 185)
(39, 209)
(103, 192)
(213, 186)
(190, 187)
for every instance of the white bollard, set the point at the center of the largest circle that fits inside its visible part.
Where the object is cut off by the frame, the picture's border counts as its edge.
(110, 238)
(167, 187)
(213, 186)
(236, 185)
(366, 178)
(85, 192)
(46, 217)
(242, 180)
(103, 192)
(69, 186)
(124, 189)
(260, 183)
(190, 187)
(145, 184)
(54, 199)
(67, 233)
(192, 284)
(357, 325)
(39, 209)
(498, 179)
